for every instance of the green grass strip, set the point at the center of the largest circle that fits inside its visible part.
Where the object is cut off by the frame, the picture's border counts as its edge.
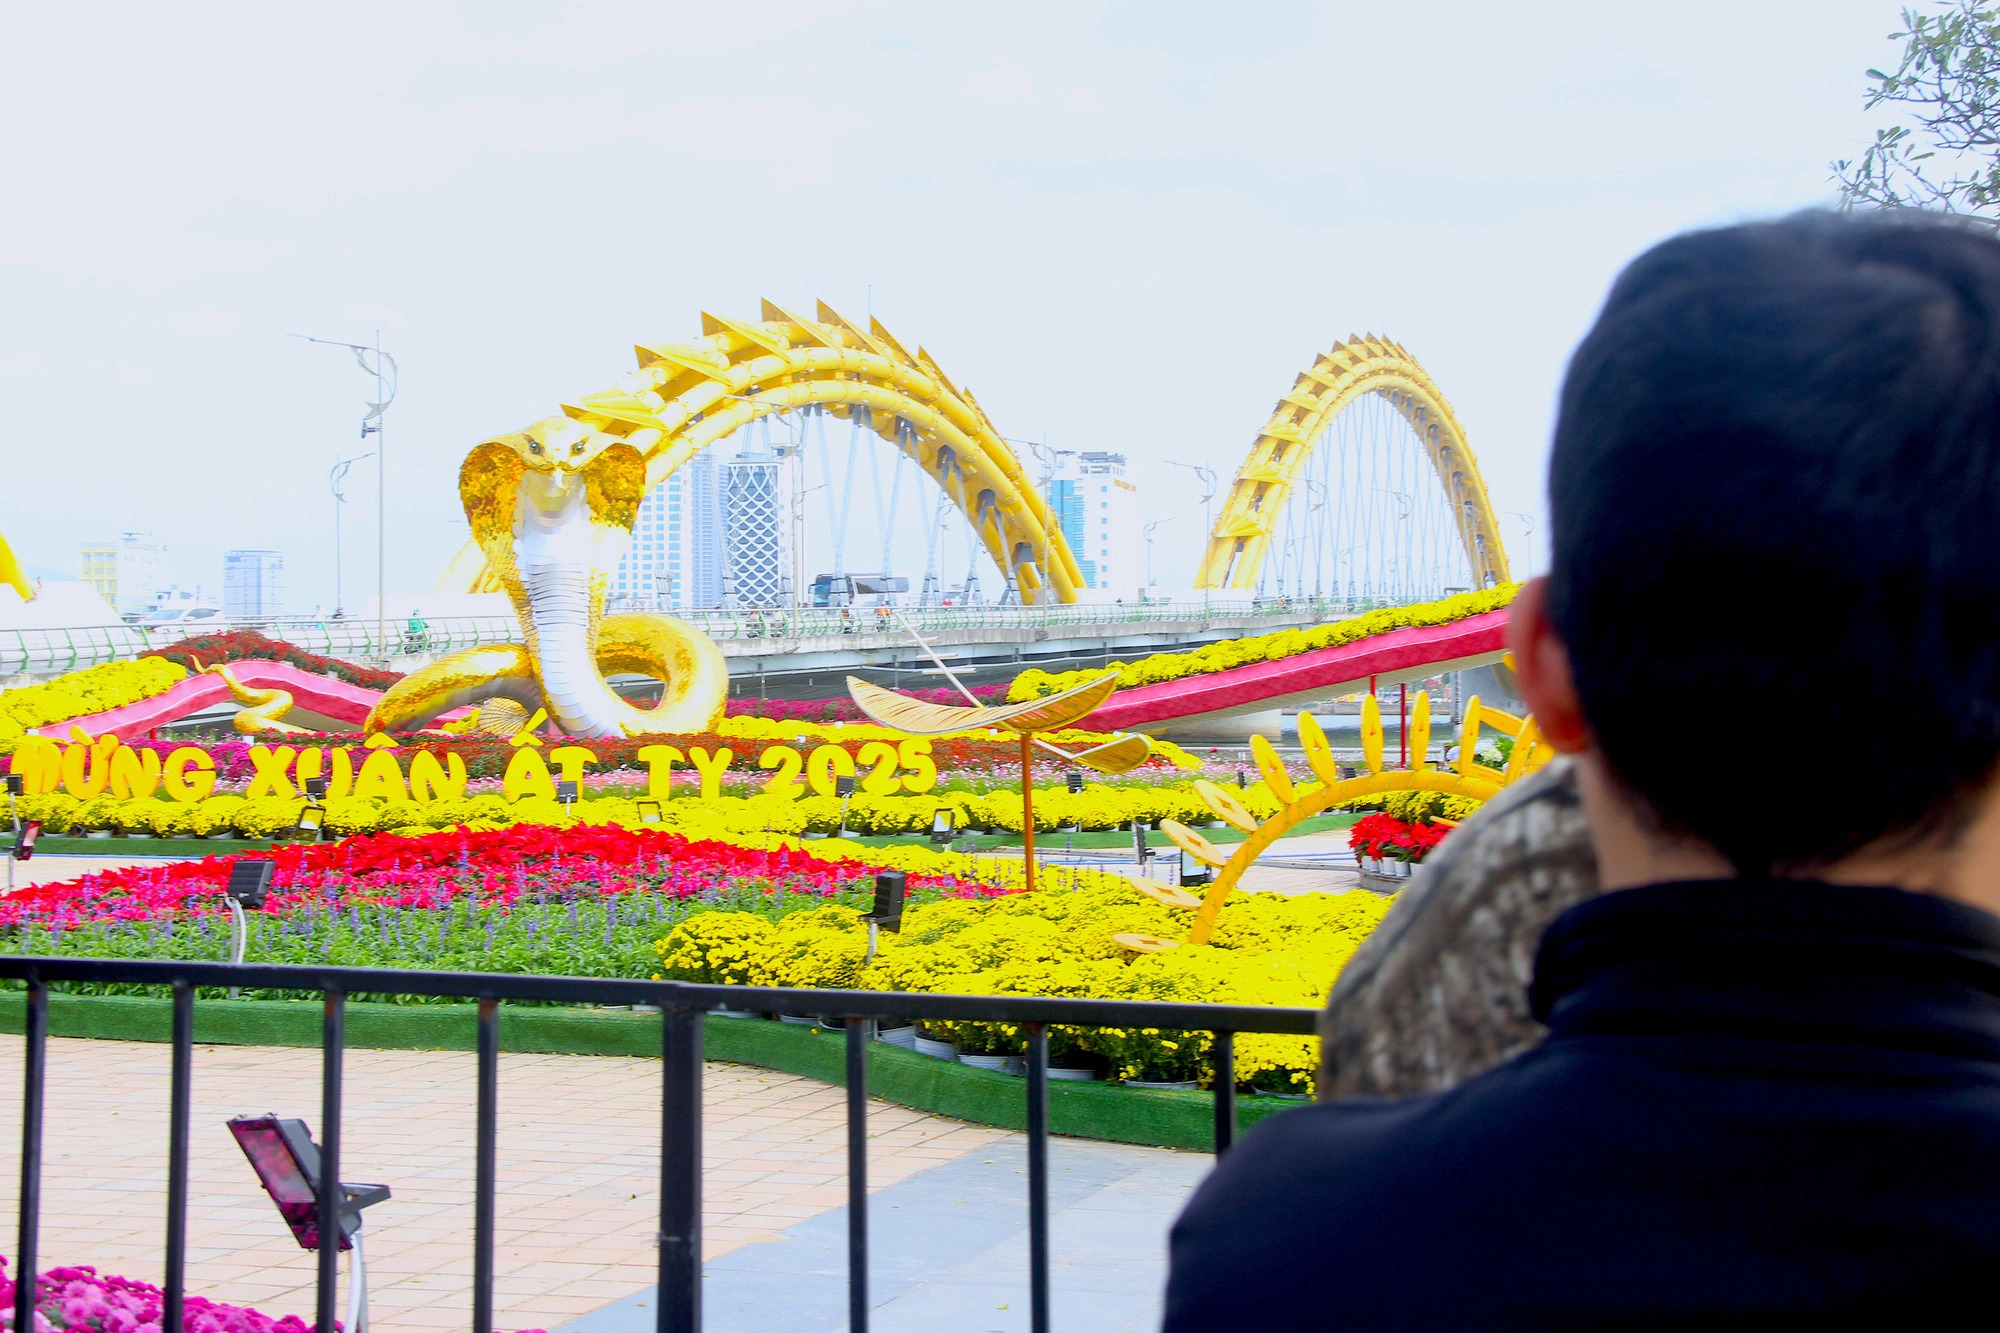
(1098, 1110)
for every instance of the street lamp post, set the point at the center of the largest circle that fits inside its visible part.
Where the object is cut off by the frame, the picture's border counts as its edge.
(384, 371)
(1207, 476)
(1159, 522)
(333, 480)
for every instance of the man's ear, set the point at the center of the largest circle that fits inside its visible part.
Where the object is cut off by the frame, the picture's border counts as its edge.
(1541, 668)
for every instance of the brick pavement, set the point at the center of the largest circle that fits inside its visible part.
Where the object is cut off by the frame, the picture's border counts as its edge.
(578, 1165)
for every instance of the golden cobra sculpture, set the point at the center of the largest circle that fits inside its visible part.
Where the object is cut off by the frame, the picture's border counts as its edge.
(551, 510)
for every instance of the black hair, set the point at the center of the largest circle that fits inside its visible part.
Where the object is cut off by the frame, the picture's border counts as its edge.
(1776, 495)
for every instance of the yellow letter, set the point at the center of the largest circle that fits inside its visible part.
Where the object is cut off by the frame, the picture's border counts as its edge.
(528, 775)
(381, 775)
(311, 763)
(785, 782)
(135, 774)
(175, 775)
(81, 783)
(710, 768)
(916, 756)
(342, 782)
(270, 779)
(428, 781)
(881, 780)
(39, 762)
(659, 761)
(569, 760)
(825, 764)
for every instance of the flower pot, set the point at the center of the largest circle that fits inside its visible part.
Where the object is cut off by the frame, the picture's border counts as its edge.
(904, 1036)
(1074, 1075)
(937, 1050)
(734, 1013)
(800, 1020)
(99, 833)
(1286, 1096)
(810, 834)
(1005, 1064)
(1178, 1085)
(147, 834)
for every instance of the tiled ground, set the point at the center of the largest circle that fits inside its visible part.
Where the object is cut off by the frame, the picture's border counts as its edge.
(579, 1157)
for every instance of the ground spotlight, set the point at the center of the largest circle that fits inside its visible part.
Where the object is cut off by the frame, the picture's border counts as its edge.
(286, 1160)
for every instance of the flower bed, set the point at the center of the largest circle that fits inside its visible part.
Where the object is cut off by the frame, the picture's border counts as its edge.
(573, 902)
(80, 693)
(1035, 682)
(248, 645)
(78, 1297)
(1267, 949)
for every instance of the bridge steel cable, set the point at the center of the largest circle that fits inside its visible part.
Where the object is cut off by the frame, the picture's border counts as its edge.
(688, 396)
(1250, 524)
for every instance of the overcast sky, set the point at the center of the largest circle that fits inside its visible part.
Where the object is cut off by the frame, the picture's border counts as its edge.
(1125, 225)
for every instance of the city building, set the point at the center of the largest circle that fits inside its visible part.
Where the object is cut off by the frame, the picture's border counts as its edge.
(1096, 504)
(129, 573)
(758, 531)
(650, 569)
(253, 584)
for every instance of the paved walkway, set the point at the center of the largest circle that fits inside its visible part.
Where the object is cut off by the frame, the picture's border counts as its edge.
(949, 1250)
(579, 1164)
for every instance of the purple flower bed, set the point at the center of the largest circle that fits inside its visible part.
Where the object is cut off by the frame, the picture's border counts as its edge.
(81, 1298)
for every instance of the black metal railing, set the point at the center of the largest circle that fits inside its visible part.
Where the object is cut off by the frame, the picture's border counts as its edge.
(681, 1009)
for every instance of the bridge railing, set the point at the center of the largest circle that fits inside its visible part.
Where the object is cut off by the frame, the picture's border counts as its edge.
(45, 651)
(810, 622)
(682, 1007)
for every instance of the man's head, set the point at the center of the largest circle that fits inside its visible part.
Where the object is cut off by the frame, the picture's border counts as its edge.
(1773, 611)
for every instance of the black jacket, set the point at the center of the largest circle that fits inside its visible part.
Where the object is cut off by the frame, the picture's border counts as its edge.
(1760, 1104)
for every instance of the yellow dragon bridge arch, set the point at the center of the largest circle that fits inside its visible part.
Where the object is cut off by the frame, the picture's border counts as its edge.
(1337, 379)
(687, 396)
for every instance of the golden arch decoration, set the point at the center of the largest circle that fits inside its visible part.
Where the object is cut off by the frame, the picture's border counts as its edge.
(687, 396)
(1242, 536)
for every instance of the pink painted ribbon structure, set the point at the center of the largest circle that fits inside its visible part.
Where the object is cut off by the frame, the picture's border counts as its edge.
(1400, 652)
(318, 694)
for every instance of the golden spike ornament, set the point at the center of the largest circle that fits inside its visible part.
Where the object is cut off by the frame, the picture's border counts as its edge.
(1468, 777)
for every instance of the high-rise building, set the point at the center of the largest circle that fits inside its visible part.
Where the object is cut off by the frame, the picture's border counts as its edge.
(253, 584)
(1096, 504)
(128, 573)
(705, 544)
(676, 556)
(759, 539)
(650, 569)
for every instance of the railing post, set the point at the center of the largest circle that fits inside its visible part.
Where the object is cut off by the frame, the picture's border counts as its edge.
(332, 1039)
(182, 1061)
(857, 1175)
(27, 1238)
(1038, 1177)
(1222, 1058)
(484, 1169)
(679, 1295)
